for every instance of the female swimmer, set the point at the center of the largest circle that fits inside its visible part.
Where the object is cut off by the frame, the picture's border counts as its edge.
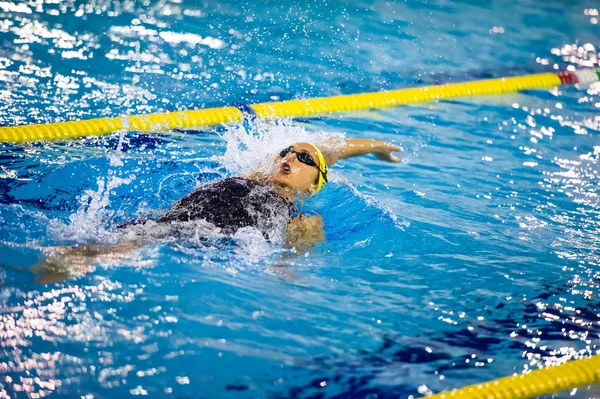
(264, 201)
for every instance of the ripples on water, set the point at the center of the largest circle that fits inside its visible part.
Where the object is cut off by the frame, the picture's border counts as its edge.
(474, 259)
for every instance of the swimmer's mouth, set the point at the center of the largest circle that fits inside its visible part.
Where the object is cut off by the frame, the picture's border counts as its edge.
(285, 167)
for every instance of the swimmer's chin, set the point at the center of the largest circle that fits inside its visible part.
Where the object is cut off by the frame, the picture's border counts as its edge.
(283, 186)
(285, 189)
(276, 180)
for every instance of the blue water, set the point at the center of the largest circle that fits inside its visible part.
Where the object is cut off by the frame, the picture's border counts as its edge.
(475, 258)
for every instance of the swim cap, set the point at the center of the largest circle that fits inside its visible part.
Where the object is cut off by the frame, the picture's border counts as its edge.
(322, 169)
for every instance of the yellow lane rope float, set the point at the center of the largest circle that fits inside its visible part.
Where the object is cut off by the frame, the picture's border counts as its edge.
(213, 116)
(573, 374)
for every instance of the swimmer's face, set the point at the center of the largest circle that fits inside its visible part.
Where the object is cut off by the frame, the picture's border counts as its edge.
(289, 172)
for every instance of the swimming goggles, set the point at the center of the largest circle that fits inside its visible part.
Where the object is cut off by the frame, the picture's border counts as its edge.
(305, 158)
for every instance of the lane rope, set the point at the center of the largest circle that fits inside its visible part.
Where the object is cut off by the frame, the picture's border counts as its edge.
(573, 374)
(161, 122)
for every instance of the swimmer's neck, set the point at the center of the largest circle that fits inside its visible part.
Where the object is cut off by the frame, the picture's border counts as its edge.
(287, 193)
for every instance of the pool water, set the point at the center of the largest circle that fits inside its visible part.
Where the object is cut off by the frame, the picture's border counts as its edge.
(473, 259)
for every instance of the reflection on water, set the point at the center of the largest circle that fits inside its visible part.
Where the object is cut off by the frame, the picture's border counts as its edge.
(474, 259)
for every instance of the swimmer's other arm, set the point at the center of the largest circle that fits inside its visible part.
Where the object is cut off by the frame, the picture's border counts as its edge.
(355, 147)
(304, 232)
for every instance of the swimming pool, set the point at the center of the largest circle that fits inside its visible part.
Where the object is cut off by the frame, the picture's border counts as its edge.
(474, 259)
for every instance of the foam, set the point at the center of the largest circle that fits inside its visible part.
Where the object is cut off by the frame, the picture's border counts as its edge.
(253, 148)
(87, 223)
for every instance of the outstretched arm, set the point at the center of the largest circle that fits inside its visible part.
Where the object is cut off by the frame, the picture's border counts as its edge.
(355, 147)
(62, 263)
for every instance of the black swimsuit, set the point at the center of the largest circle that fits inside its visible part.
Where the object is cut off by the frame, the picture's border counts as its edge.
(233, 203)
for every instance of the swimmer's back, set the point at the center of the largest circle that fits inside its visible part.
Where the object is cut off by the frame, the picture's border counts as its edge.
(231, 204)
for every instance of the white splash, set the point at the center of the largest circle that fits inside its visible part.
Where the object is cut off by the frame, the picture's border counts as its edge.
(87, 224)
(252, 245)
(190, 38)
(254, 148)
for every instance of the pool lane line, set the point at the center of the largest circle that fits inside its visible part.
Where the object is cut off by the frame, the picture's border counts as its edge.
(572, 374)
(162, 122)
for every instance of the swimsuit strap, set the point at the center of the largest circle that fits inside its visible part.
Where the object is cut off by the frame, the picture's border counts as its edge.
(294, 211)
(292, 207)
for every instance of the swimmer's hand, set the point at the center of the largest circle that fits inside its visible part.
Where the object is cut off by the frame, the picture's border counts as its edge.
(384, 151)
(355, 147)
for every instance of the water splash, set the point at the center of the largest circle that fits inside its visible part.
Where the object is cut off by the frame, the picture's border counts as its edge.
(88, 224)
(253, 148)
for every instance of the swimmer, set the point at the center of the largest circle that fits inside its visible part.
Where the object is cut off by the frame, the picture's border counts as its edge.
(262, 200)
(266, 200)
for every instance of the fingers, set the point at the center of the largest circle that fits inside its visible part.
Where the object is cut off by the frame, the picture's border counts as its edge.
(393, 148)
(385, 152)
(389, 146)
(392, 158)
(388, 157)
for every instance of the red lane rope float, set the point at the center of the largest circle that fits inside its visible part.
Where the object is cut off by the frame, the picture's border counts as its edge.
(568, 78)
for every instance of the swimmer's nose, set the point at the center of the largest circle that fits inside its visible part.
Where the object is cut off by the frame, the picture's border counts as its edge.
(289, 157)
